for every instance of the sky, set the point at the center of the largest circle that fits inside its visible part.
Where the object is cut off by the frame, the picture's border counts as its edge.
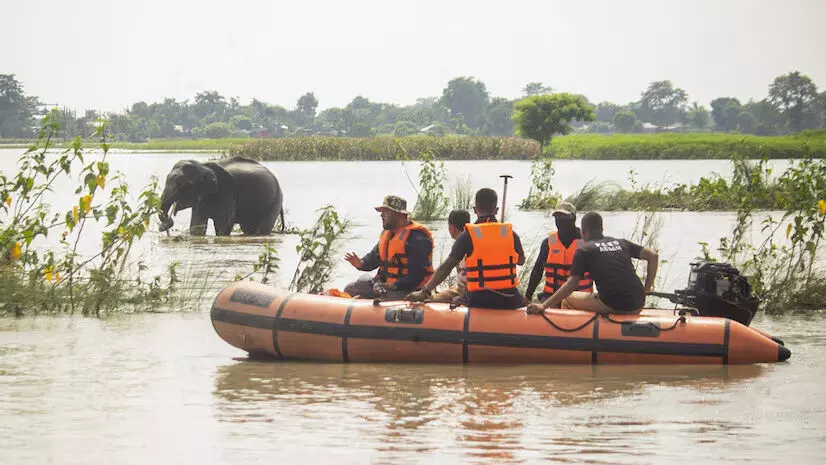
(108, 54)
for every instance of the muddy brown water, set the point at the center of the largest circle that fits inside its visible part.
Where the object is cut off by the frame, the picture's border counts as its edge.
(163, 388)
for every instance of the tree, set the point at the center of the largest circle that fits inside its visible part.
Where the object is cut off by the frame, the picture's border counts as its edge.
(332, 118)
(791, 93)
(535, 88)
(625, 120)
(770, 121)
(467, 97)
(498, 120)
(404, 128)
(241, 122)
(541, 116)
(724, 111)
(209, 104)
(662, 104)
(698, 117)
(746, 122)
(15, 108)
(605, 111)
(306, 106)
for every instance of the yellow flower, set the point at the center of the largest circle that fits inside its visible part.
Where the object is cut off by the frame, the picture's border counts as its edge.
(15, 251)
(49, 273)
(120, 230)
(86, 203)
(8, 201)
(821, 207)
(75, 213)
(101, 181)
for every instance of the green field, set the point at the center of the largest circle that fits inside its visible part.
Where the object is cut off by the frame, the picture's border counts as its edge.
(683, 146)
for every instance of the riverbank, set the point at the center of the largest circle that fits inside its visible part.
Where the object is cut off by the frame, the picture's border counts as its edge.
(671, 146)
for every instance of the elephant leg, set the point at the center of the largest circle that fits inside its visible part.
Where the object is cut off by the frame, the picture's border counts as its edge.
(264, 224)
(198, 222)
(223, 225)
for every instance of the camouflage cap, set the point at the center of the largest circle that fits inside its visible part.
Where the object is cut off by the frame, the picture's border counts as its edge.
(394, 203)
(565, 208)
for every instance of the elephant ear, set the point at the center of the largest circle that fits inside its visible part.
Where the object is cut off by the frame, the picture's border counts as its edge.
(218, 184)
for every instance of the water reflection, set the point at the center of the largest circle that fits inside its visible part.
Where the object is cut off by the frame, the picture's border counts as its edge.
(500, 414)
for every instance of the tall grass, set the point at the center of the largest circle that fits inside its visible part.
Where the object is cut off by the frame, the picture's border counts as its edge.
(462, 193)
(387, 148)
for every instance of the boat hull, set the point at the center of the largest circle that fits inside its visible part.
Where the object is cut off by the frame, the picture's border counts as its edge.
(268, 322)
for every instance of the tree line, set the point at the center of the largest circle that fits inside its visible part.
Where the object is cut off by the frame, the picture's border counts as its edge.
(465, 107)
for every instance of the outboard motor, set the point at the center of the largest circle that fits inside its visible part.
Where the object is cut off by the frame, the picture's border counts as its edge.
(717, 289)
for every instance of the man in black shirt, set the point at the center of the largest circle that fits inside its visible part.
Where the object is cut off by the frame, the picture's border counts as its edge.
(495, 293)
(608, 260)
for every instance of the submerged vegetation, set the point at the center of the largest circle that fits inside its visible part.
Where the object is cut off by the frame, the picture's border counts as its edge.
(784, 267)
(431, 201)
(541, 195)
(62, 280)
(317, 249)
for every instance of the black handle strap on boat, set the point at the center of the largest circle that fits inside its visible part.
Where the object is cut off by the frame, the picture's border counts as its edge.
(568, 330)
(607, 317)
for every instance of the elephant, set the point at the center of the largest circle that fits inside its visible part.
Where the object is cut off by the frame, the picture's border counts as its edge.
(229, 191)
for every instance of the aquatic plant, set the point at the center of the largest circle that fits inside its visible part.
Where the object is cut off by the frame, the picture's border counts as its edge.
(60, 279)
(541, 195)
(316, 248)
(462, 193)
(783, 266)
(431, 202)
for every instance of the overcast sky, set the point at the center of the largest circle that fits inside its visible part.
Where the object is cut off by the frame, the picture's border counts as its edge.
(107, 54)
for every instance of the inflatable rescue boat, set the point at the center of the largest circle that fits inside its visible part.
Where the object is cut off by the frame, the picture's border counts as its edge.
(267, 322)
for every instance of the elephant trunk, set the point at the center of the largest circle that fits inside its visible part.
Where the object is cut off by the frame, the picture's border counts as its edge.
(169, 206)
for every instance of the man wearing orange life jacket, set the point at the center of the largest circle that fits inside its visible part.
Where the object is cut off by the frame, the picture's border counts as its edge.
(403, 255)
(491, 251)
(556, 255)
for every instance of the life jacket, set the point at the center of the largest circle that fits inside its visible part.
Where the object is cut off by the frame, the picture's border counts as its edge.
(393, 253)
(558, 265)
(492, 264)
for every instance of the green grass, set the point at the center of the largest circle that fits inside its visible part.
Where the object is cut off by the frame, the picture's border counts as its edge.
(672, 146)
(666, 146)
(162, 145)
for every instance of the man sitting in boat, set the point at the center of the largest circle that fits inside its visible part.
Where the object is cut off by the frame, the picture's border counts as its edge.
(456, 222)
(608, 261)
(556, 255)
(491, 251)
(403, 255)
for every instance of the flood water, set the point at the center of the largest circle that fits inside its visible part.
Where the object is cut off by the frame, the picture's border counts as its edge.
(163, 388)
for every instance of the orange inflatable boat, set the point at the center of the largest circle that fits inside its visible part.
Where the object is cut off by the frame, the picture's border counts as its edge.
(268, 322)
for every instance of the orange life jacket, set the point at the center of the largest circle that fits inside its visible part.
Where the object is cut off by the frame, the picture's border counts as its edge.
(393, 253)
(492, 264)
(558, 265)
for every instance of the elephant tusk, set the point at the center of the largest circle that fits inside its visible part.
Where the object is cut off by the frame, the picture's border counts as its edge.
(173, 209)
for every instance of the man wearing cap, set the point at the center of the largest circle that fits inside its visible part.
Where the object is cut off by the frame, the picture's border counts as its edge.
(556, 255)
(403, 255)
(491, 251)
(608, 260)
